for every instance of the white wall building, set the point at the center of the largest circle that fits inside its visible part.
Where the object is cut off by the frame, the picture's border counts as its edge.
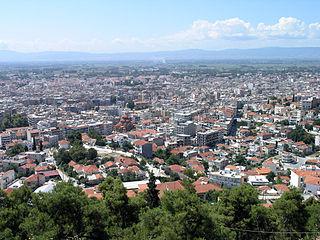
(6, 178)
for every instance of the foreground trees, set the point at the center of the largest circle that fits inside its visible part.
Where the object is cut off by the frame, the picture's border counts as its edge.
(68, 213)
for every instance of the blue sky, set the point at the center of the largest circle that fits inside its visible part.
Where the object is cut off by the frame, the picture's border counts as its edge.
(152, 25)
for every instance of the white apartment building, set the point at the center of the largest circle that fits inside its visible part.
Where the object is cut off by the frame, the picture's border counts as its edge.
(186, 128)
(227, 178)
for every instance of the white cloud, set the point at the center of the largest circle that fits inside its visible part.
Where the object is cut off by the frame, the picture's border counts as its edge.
(286, 27)
(238, 29)
(314, 30)
(228, 33)
(224, 29)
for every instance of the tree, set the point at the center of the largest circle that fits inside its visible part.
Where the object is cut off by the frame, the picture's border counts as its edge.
(75, 138)
(152, 192)
(130, 104)
(113, 99)
(262, 220)
(163, 154)
(67, 213)
(308, 127)
(313, 223)
(114, 144)
(116, 202)
(173, 159)
(15, 150)
(12, 121)
(40, 146)
(34, 144)
(66, 207)
(95, 219)
(130, 176)
(241, 160)
(78, 153)
(299, 134)
(190, 218)
(189, 172)
(236, 204)
(284, 122)
(14, 213)
(62, 157)
(99, 139)
(271, 176)
(241, 123)
(291, 213)
(39, 225)
(126, 146)
(212, 196)
(92, 154)
(316, 122)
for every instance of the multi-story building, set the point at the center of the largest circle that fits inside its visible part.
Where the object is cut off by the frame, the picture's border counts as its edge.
(227, 178)
(186, 128)
(5, 138)
(209, 138)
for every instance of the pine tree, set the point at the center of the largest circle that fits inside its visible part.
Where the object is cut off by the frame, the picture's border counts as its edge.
(40, 146)
(152, 193)
(34, 145)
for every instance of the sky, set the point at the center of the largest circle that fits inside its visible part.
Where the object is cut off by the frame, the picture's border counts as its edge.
(156, 25)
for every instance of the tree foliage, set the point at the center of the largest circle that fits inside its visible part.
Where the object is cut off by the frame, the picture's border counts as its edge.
(12, 121)
(299, 134)
(67, 213)
(16, 149)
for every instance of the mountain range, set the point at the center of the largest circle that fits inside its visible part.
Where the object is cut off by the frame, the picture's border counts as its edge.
(303, 53)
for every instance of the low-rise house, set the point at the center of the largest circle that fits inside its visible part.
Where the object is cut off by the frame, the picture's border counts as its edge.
(94, 179)
(126, 161)
(50, 174)
(281, 188)
(177, 168)
(37, 156)
(64, 144)
(169, 186)
(140, 174)
(258, 180)
(143, 147)
(85, 170)
(108, 166)
(6, 178)
(297, 177)
(93, 192)
(196, 165)
(27, 168)
(263, 171)
(202, 186)
(312, 185)
(302, 148)
(35, 180)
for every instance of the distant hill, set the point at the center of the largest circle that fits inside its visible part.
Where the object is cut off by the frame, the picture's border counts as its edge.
(191, 54)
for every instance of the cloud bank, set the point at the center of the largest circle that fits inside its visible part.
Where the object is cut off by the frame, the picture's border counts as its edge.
(233, 32)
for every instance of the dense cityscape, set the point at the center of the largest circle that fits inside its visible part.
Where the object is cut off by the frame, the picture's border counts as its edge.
(214, 135)
(160, 120)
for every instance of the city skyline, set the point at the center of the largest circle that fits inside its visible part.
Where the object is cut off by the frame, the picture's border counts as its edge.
(124, 26)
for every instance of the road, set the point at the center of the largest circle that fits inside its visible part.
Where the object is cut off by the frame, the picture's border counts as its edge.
(300, 161)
